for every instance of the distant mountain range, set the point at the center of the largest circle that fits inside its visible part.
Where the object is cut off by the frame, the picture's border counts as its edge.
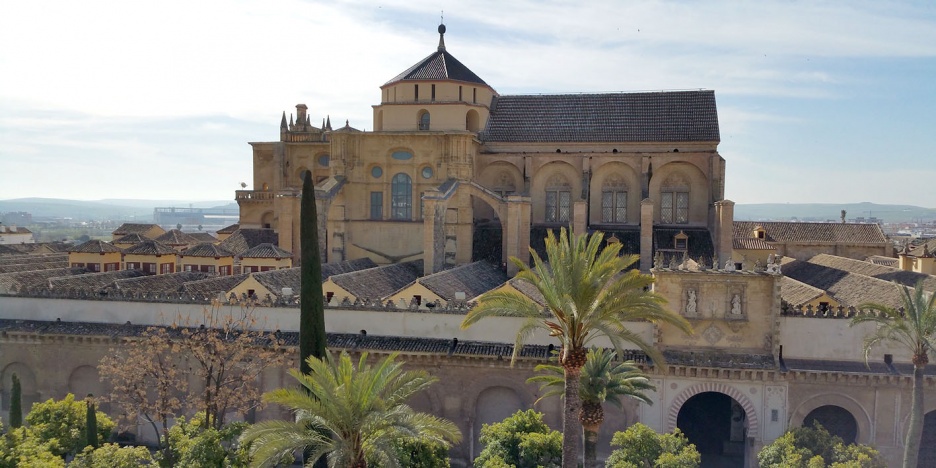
(142, 210)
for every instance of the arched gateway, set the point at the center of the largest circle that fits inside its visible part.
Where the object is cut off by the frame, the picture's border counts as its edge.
(718, 419)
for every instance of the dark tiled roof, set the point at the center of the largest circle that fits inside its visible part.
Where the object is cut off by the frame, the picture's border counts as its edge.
(699, 243)
(379, 282)
(171, 282)
(629, 239)
(750, 243)
(19, 267)
(337, 268)
(439, 65)
(848, 289)
(26, 259)
(528, 290)
(841, 233)
(206, 249)
(129, 239)
(95, 246)
(27, 279)
(852, 367)
(797, 293)
(881, 260)
(92, 281)
(132, 228)
(265, 251)
(347, 129)
(719, 359)
(176, 237)
(615, 117)
(472, 279)
(242, 240)
(881, 272)
(211, 287)
(228, 229)
(202, 236)
(149, 247)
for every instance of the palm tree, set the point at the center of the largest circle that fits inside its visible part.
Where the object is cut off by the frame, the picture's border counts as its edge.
(913, 328)
(348, 413)
(588, 294)
(603, 379)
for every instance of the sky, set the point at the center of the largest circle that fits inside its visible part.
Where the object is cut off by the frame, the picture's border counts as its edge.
(818, 102)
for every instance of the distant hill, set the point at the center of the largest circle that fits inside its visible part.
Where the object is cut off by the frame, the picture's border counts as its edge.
(832, 212)
(100, 210)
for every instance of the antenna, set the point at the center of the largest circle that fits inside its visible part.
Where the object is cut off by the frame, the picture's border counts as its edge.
(442, 17)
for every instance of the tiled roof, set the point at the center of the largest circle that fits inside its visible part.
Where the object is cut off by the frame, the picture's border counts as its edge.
(242, 240)
(528, 290)
(211, 287)
(16, 281)
(176, 237)
(150, 247)
(719, 359)
(276, 280)
(14, 230)
(439, 65)
(699, 243)
(472, 279)
(881, 272)
(129, 239)
(918, 249)
(848, 289)
(95, 246)
(840, 233)
(347, 129)
(265, 251)
(629, 239)
(92, 281)
(750, 243)
(337, 268)
(133, 228)
(615, 117)
(881, 260)
(171, 282)
(797, 293)
(228, 229)
(853, 367)
(206, 249)
(202, 236)
(25, 259)
(379, 282)
(18, 267)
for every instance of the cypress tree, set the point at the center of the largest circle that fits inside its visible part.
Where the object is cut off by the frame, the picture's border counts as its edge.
(16, 404)
(91, 429)
(312, 307)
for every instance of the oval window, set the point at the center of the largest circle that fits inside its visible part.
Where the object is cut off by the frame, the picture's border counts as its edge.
(402, 155)
(427, 172)
(376, 172)
(323, 160)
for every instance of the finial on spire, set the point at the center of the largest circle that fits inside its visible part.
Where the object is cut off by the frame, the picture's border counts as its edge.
(442, 32)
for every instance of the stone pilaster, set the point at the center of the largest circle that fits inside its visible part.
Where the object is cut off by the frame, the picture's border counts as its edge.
(579, 217)
(646, 234)
(433, 232)
(517, 231)
(724, 214)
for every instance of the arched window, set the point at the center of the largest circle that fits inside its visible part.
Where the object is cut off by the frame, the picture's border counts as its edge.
(674, 201)
(614, 200)
(558, 200)
(424, 120)
(401, 197)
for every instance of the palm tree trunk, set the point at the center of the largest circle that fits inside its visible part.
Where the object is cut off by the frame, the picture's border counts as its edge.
(591, 447)
(915, 428)
(571, 427)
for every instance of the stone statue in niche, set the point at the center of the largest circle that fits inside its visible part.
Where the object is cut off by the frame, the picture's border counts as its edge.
(729, 265)
(736, 304)
(691, 303)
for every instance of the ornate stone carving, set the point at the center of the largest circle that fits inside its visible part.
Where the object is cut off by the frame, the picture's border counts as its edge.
(712, 334)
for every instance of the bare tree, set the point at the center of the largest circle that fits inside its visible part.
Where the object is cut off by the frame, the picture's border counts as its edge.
(149, 375)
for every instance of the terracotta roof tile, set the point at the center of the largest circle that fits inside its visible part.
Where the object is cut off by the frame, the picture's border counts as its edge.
(150, 247)
(171, 282)
(132, 228)
(26, 259)
(176, 237)
(211, 287)
(797, 293)
(95, 246)
(881, 260)
(276, 280)
(614, 117)
(206, 249)
(472, 279)
(228, 229)
(265, 251)
(840, 233)
(21, 267)
(242, 240)
(11, 282)
(129, 239)
(202, 236)
(92, 281)
(881, 272)
(848, 289)
(379, 282)
(751, 243)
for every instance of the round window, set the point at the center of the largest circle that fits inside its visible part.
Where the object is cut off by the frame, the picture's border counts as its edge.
(402, 155)
(427, 172)
(323, 160)
(376, 172)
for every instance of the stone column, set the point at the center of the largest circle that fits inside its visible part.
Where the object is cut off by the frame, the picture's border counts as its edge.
(646, 234)
(579, 217)
(517, 230)
(724, 211)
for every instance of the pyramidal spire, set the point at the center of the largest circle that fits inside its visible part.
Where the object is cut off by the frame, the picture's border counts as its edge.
(290, 121)
(328, 123)
(283, 121)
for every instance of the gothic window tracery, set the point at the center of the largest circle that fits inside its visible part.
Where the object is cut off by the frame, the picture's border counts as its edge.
(558, 200)
(674, 200)
(614, 200)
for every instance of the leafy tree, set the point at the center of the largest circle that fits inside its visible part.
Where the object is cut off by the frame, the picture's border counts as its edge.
(418, 453)
(91, 426)
(112, 456)
(194, 445)
(643, 447)
(149, 375)
(312, 337)
(603, 379)
(64, 422)
(809, 447)
(20, 448)
(521, 440)
(16, 403)
(351, 413)
(913, 328)
(588, 294)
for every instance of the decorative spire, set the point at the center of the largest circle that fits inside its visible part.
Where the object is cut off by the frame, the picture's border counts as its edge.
(283, 121)
(323, 123)
(308, 121)
(290, 121)
(328, 123)
(441, 38)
